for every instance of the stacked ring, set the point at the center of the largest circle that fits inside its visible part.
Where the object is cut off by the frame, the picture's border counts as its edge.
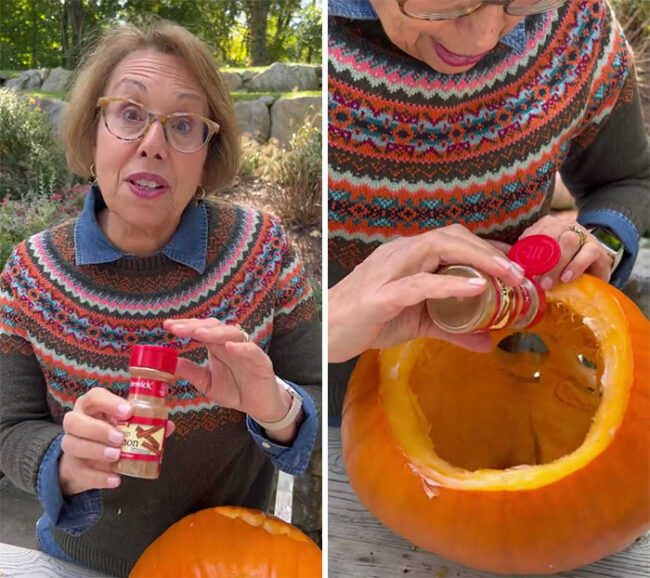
(580, 232)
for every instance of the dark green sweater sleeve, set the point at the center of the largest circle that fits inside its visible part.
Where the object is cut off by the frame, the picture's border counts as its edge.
(612, 171)
(26, 427)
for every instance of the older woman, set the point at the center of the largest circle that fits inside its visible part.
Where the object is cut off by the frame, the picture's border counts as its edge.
(461, 112)
(152, 261)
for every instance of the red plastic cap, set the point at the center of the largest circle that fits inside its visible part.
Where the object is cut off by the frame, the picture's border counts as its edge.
(537, 254)
(541, 310)
(154, 357)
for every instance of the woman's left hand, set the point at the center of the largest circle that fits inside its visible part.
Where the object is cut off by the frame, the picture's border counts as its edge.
(239, 375)
(581, 252)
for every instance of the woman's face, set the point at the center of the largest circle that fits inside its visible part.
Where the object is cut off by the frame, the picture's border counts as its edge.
(448, 46)
(127, 170)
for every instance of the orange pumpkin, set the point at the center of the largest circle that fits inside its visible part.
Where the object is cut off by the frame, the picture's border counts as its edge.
(532, 462)
(230, 541)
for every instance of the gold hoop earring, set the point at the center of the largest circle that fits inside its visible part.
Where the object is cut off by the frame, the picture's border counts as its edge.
(92, 178)
(199, 196)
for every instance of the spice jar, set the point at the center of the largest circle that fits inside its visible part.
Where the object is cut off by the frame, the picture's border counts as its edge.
(500, 305)
(152, 369)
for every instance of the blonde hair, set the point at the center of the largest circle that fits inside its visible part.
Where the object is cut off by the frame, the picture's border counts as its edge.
(91, 78)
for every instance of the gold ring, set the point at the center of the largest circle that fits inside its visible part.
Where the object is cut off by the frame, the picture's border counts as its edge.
(580, 232)
(245, 337)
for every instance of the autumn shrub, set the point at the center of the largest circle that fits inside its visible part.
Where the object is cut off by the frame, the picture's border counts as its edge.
(32, 162)
(298, 199)
(260, 160)
(634, 17)
(22, 218)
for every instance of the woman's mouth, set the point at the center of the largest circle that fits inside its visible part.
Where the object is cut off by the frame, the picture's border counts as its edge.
(453, 59)
(147, 185)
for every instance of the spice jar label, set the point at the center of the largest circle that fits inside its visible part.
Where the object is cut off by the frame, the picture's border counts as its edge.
(144, 438)
(143, 386)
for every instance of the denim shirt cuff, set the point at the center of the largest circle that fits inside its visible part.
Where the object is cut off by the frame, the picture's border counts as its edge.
(625, 230)
(74, 514)
(292, 459)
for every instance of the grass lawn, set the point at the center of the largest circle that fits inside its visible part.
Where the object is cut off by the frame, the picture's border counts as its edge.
(58, 95)
(242, 96)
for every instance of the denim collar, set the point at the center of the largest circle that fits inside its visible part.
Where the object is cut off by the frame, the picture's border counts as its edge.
(188, 246)
(362, 10)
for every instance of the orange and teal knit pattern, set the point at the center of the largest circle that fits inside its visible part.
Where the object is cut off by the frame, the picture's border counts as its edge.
(80, 322)
(411, 149)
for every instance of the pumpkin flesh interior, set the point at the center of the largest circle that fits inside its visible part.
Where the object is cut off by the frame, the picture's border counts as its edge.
(512, 420)
(509, 409)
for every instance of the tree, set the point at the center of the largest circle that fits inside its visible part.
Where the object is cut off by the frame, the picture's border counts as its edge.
(50, 33)
(73, 17)
(257, 12)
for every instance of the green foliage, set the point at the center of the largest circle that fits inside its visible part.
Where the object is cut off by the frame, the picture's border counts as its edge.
(50, 33)
(295, 32)
(298, 201)
(32, 158)
(30, 34)
(21, 218)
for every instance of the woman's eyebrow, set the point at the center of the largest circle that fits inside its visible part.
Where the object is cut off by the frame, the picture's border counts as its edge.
(143, 87)
(139, 84)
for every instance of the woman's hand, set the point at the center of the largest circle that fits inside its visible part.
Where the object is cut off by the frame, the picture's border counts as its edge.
(91, 442)
(381, 302)
(239, 375)
(581, 252)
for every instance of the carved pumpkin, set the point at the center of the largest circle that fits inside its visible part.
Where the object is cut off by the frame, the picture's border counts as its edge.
(532, 462)
(230, 541)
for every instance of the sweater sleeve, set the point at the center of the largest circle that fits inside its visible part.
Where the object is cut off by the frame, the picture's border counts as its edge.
(26, 425)
(607, 169)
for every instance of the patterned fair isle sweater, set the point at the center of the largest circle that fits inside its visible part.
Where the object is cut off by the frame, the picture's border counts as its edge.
(411, 149)
(66, 328)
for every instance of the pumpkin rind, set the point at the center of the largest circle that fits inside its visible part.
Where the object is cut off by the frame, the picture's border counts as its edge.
(230, 541)
(573, 520)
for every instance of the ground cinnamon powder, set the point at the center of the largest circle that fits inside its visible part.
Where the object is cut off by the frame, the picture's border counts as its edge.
(152, 370)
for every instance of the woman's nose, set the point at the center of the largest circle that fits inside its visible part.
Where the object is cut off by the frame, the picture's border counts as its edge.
(484, 27)
(153, 143)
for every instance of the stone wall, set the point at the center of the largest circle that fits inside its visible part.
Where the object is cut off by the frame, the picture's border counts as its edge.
(263, 118)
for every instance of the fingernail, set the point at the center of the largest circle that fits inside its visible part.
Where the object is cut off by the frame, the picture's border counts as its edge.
(123, 409)
(503, 262)
(518, 269)
(566, 276)
(514, 267)
(476, 281)
(112, 453)
(112, 481)
(546, 283)
(115, 437)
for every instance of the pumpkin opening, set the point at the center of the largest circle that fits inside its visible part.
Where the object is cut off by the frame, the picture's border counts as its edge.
(530, 403)
(520, 415)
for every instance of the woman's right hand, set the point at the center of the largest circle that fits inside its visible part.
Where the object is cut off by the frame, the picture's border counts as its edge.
(92, 442)
(381, 302)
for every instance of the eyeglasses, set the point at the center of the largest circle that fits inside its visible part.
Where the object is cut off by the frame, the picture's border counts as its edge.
(129, 120)
(451, 9)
